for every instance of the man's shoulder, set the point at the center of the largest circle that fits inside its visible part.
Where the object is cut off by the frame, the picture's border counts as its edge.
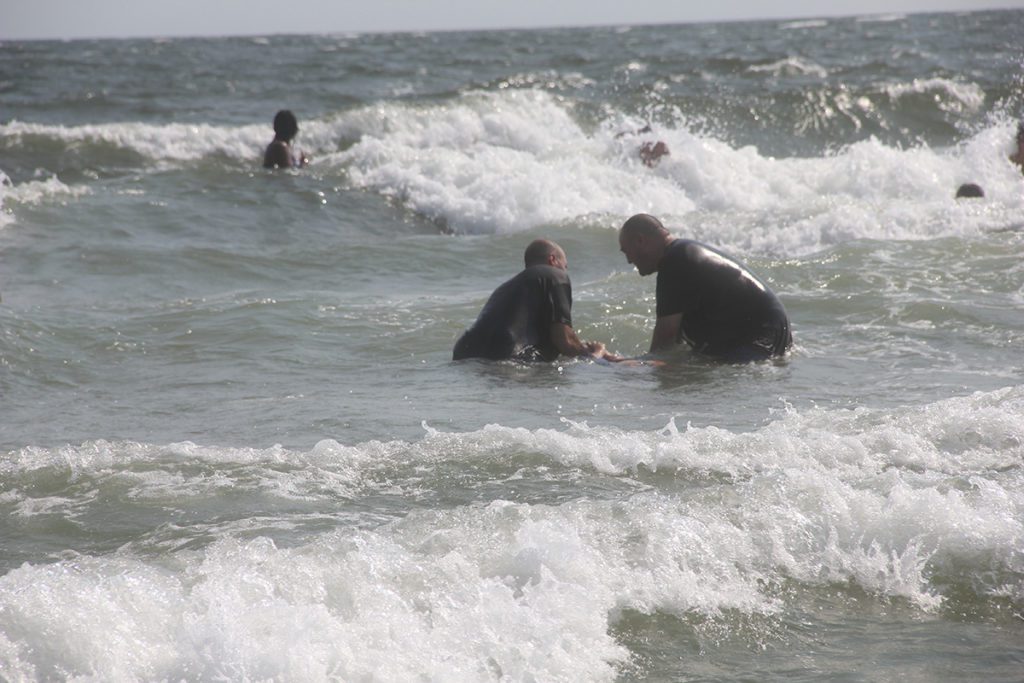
(681, 250)
(698, 251)
(278, 154)
(545, 273)
(278, 146)
(689, 245)
(531, 278)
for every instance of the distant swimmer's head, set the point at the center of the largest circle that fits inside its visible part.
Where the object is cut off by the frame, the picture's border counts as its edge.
(285, 125)
(968, 190)
(545, 253)
(651, 152)
(643, 240)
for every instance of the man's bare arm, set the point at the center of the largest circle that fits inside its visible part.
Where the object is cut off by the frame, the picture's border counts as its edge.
(666, 330)
(568, 343)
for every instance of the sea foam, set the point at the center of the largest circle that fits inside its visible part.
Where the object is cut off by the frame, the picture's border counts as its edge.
(33, 192)
(514, 160)
(507, 162)
(951, 95)
(508, 589)
(174, 142)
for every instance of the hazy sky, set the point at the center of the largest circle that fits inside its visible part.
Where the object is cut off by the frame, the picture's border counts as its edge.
(21, 19)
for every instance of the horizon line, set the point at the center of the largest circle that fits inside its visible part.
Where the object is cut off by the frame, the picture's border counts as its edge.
(493, 29)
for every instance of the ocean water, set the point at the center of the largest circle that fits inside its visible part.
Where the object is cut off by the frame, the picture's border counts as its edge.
(233, 445)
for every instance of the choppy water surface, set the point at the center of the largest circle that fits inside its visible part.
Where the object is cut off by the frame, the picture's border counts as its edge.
(234, 446)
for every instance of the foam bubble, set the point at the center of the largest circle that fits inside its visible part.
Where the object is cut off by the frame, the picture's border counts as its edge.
(807, 23)
(32, 192)
(170, 142)
(953, 96)
(881, 18)
(791, 66)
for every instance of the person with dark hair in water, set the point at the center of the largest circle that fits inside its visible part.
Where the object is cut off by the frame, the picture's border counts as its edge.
(279, 153)
(704, 297)
(528, 318)
(1018, 156)
(969, 190)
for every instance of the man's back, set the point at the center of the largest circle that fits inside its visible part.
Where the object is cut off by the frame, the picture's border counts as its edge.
(278, 155)
(723, 305)
(516, 320)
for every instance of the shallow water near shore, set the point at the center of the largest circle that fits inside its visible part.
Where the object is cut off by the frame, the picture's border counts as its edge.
(234, 446)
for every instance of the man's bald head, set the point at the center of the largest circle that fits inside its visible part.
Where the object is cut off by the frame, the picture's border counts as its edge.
(645, 225)
(543, 252)
(643, 240)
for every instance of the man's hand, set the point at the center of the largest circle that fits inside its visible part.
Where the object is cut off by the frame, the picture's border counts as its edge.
(596, 349)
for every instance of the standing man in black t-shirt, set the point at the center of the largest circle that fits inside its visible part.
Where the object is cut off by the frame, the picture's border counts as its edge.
(704, 297)
(529, 317)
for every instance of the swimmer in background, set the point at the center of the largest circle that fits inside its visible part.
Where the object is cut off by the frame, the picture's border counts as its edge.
(528, 318)
(279, 153)
(704, 297)
(650, 152)
(1018, 156)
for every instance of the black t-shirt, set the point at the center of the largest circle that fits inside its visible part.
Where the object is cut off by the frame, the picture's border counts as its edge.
(515, 322)
(725, 307)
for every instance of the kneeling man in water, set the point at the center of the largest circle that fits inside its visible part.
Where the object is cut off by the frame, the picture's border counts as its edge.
(704, 297)
(528, 318)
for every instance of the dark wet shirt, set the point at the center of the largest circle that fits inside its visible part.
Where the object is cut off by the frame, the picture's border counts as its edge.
(516, 321)
(727, 311)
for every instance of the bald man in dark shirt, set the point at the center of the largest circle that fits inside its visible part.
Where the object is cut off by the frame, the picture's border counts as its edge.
(529, 317)
(705, 297)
